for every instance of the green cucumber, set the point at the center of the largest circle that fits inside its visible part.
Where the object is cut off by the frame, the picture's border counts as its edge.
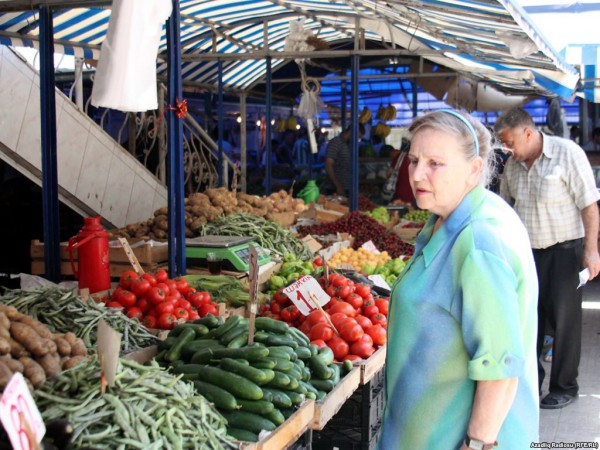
(199, 328)
(242, 435)
(287, 412)
(319, 368)
(256, 406)
(248, 421)
(314, 349)
(239, 341)
(266, 363)
(336, 373)
(321, 395)
(275, 416)
(322, 385)
(190, 348)
(280, 380)
(299, 337)
(272, 325)
(278, 340)
(279, 398)
(258, 376)
(231, 323)
(167, 343)
(275, 352)
(301, 389)
(237, 385)
(326, 354)
(254, 353)
(311, 395)
(174, 353)
(283, 348)
(295, 397)
(347, 366)
(309, 387)
(233, 333)
(210, 320)
(303, 353)
(202, 356)
(220, 397)
(187, 368)
(281, 364)
(261, 336)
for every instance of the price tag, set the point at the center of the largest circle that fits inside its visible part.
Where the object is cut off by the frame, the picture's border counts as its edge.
(300, 294)
(370, 247)
(131, 256)
(109, 348)
(379, 281)
(20, 416)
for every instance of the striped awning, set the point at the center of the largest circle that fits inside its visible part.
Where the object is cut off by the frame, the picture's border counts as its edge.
(487, 40)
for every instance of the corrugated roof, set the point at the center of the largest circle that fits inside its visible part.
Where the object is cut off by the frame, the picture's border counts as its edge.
(478, 38)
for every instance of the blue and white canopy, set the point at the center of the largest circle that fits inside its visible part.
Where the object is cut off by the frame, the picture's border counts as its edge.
(491, 41)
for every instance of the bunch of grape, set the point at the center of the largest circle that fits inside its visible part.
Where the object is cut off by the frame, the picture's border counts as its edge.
(417, 215)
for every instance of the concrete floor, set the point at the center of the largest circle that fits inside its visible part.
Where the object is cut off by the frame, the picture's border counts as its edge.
(580, 421)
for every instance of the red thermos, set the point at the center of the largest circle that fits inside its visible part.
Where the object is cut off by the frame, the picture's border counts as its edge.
(91, 244)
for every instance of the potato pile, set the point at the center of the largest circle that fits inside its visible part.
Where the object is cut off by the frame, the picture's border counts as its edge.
(208, 206)
(29, 347)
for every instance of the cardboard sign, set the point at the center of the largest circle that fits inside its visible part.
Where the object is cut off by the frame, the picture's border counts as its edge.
(300, 294)
(378, 280)
(370, 247)
(109, 347)
(20, 416)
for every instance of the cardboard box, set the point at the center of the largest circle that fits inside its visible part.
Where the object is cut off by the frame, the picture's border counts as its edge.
(313, 245)
(320, 214)
(334, 206)
(285, 219)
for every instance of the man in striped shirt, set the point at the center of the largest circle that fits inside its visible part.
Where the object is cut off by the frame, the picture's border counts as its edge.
(549, 182)
(337, 162)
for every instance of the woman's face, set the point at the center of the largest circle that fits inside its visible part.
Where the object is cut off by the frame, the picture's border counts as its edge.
(439, 173)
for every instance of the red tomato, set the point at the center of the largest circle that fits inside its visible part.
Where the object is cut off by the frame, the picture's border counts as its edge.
(208, 308)
(285, 313)
(127, 298)
(321, 331)
(342, 291)
(183, 303)
(338, 318)
(149, 321)
(151, 279)
(362, 290)
(196, 299)
(363, 321)
(181, 313)
(378, 333)
(362, 348)
(317, 262)
(343, 307)
(379, 319)
(355, 300)
(275, 308)
(135, 313)
(350, 357)
(114, 304)
(143, 304)
(165, 306)
(366, 338)
(330, 290)
(339, 346)
(370, 310)
(166, 321)
(382, 305)
(351, 332)
(182, 284)
(156, 295)
(127, 278)
(207, 298)
(280, 297)
(319, 343)
(315, 317)
(172, 286)
(164, 287)
(340, 281)
(193, 315)
(140, 286)
(161, 276)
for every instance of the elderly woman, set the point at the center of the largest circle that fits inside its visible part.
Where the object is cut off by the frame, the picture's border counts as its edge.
(461, 368)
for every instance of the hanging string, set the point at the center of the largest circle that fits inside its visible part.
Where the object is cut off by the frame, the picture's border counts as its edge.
(180, 108)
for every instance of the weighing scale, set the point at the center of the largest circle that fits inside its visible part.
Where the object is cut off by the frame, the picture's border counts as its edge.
(233, 250)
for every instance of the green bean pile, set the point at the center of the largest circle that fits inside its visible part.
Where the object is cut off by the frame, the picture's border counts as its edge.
(62, 310)
(268, 234)
(148, 408)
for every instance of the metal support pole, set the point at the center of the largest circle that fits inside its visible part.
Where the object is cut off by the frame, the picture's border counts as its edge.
(79, 83)
(220, 112)
(268, 149)
(243, 145)
(343, 105)
(415, 99)
(175, 175)
(355, 138)
(51, 219)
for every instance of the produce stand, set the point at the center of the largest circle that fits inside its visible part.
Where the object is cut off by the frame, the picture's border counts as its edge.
(325, 409)
(287, 433)
(372, 366)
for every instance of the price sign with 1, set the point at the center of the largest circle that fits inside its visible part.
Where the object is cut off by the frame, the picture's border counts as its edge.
(20, 416)
(300, 294)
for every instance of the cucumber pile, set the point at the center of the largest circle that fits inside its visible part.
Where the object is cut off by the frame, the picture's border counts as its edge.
(254, 387)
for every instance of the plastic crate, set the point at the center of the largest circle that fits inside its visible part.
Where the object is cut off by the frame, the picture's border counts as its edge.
(342, 439)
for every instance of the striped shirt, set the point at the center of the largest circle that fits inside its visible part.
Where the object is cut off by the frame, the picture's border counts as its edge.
(338, 150)
(550, 195)
(463, 310)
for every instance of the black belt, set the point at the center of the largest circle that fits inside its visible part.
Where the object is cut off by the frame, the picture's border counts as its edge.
(563, 245)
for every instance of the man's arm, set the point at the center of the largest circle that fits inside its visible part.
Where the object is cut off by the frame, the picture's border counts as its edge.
(591, 259)
(330, 169)
(493, 399)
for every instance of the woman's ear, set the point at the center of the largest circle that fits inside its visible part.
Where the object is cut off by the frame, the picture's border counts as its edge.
(476, 170)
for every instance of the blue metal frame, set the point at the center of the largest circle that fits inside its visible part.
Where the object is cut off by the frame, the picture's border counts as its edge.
(268, 149)
(51, 219)
(220, 125)
(354, 122)
(175, 181)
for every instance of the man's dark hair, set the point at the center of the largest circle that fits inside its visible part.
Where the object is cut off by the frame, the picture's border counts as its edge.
(361, 129)
(514, 118)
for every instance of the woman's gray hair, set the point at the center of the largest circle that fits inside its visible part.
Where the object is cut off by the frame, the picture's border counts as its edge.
(450, 124)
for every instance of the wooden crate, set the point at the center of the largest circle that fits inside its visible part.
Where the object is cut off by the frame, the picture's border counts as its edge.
(288, 432)
(372, 365)
(325, 409)
(151, 258)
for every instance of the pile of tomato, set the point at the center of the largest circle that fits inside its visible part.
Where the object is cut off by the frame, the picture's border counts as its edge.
(359, 317)
(158, 301)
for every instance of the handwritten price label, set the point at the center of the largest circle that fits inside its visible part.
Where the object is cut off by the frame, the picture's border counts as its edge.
(299, 293)
(20, 416)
